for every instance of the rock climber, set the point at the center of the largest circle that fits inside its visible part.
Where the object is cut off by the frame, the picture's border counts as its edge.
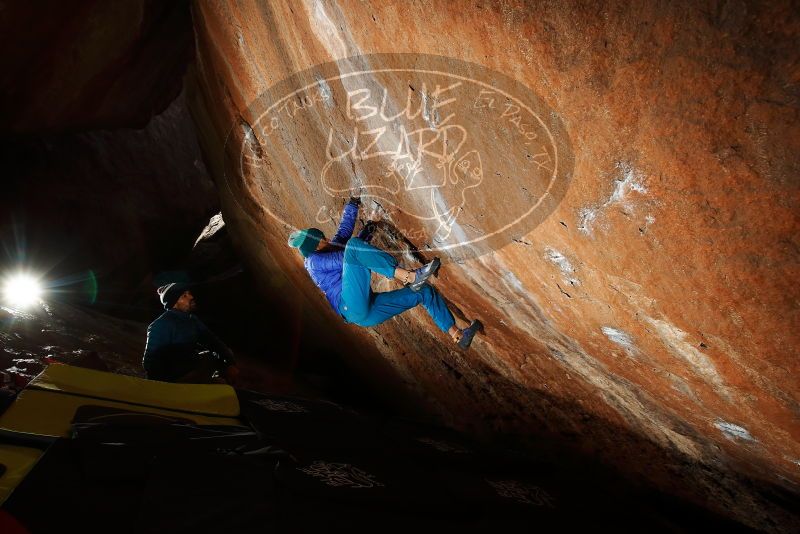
(180, 348)
(341, 268)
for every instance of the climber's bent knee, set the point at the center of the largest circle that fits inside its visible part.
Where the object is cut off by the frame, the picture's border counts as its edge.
(353, 245)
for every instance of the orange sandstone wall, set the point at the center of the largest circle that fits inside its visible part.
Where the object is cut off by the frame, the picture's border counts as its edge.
(650, 302)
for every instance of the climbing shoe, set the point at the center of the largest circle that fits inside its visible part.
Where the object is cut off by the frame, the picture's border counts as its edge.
(468, 333)
(423, 273)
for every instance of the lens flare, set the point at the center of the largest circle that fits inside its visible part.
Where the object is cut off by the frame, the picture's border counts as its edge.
(22, 291)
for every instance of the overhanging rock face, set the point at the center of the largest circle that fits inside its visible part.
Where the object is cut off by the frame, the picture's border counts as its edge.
(613, 190)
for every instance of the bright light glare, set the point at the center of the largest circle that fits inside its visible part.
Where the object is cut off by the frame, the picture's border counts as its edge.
(22, 290)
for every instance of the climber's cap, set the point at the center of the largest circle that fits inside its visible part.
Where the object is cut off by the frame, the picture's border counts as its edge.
(306, 240)
(170, 293)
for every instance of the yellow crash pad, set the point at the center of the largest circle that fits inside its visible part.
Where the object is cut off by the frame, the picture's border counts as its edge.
(18, 462)
(209, 399)
(49, 413)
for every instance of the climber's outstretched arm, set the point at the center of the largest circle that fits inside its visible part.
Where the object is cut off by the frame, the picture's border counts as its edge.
(348, 223)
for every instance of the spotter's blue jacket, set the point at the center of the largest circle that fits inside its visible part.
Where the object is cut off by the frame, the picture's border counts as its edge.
(174, 343)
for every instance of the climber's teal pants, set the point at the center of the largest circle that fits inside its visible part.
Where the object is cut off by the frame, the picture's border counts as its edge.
(361, 306)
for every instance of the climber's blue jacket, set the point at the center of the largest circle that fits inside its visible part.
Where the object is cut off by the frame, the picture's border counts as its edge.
(325, 266)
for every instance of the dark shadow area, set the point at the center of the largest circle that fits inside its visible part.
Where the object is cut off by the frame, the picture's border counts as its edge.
(303, 465)
(661, 487)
